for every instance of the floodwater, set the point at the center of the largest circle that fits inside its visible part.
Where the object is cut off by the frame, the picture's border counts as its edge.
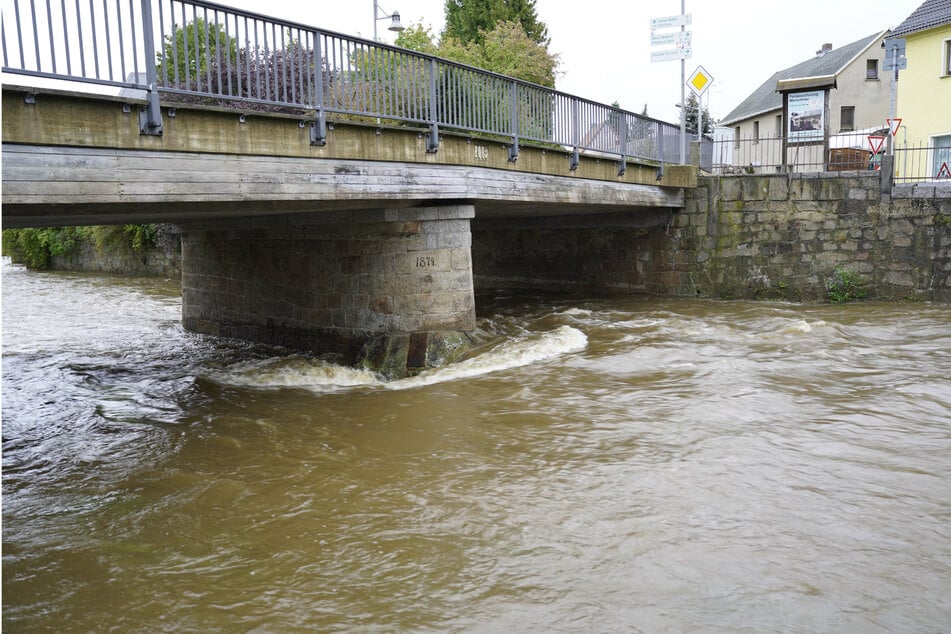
(598, 464)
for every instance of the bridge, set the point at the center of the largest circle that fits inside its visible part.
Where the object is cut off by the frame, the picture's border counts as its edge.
(326, 187)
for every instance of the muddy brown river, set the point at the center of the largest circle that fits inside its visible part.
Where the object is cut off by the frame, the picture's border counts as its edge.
(598, 464)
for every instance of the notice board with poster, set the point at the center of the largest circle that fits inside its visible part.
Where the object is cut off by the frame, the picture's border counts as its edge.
(807, 120)
(806, 116)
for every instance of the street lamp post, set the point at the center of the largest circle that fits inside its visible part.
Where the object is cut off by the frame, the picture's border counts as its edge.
(395, 25)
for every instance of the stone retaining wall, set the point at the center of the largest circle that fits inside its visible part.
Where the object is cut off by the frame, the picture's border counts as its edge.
(153, 261)
(749, 237)
(785, 236)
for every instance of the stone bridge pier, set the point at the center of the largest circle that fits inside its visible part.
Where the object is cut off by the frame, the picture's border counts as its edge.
(386, 289)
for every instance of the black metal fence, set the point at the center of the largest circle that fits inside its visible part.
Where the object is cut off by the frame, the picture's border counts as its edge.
(205, 52)
(842, 152)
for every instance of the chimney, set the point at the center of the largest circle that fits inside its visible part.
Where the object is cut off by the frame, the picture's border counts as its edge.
(825, 49)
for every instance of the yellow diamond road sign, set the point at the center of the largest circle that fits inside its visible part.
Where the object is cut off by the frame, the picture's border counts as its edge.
(700, 80)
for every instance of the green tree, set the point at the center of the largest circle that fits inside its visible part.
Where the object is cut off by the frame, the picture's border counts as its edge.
(693, 108)
(419, 38)
(470, 20)
(506, 50)
(192, 51)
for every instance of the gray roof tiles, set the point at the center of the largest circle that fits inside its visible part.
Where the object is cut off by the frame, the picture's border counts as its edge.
(930, 14)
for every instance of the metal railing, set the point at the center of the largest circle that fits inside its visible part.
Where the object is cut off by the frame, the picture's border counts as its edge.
(191, 50)
(922, 162)
(846, 152)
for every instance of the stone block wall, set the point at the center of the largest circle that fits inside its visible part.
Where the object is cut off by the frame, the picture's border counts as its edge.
(330, 282)
(743, 237)
(785, 236)
(153, 261)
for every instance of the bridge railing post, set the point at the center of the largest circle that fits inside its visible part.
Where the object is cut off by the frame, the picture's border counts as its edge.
(318, 129)
(432, 145)
(575, 135)
(513, 149)
(622, 164)
(150, 117)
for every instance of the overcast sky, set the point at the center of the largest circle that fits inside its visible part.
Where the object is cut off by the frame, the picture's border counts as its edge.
(604, 45)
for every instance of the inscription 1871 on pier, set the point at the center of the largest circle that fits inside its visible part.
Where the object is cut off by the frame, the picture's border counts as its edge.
(425, 261)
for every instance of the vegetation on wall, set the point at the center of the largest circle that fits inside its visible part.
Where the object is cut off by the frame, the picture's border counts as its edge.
(845, 285)
(36, 247)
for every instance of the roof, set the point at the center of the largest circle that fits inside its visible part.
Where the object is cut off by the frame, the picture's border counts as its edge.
(930, 14)
(765, 98)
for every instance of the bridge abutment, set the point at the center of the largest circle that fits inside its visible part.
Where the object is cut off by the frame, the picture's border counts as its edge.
(389, 289)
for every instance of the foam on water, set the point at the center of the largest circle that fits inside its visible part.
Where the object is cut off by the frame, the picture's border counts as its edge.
(521, 351)
(322, 376)
(297, 371)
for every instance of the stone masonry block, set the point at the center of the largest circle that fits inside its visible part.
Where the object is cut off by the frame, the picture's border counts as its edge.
(448, 240)
(461, 259)
(419, 214)
(731, 189)
(778, 188)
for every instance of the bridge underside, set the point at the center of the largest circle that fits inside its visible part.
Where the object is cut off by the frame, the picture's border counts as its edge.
(362, 247)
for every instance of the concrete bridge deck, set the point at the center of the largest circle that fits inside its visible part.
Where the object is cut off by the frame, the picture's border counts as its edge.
(74, 158)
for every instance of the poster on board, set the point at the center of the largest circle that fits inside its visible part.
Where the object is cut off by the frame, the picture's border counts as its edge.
(806, 114)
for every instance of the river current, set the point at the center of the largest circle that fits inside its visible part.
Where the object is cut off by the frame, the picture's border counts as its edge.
(598, 464)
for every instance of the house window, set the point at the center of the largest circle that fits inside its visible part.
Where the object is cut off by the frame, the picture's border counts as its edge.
(871, 69)
(779, 126)
(942, 155)
(947, 58)
(847, 119)
(756, 132)
(736, 136)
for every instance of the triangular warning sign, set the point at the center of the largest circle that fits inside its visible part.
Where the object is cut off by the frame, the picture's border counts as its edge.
(875, 142)
(893, 125)
(944, 172)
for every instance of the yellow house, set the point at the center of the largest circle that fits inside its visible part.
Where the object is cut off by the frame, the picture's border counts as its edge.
(923, 142)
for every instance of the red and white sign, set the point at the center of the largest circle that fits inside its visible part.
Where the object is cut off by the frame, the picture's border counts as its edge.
(944, 172)
(876, 142)
(893, 125)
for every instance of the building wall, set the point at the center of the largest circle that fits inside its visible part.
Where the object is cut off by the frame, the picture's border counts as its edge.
(871, 97)
(764, 148)
(924, 89)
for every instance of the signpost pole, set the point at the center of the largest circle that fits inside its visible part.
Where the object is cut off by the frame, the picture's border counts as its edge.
(891, 140)
(894, 61)
(682, 50)
(698, 83)
(700, 118)
(683, 104)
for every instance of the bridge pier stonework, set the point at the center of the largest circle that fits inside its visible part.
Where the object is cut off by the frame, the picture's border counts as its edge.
(386, 289)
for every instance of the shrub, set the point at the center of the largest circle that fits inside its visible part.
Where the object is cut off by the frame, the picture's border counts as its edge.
(36, 247)
(845, 285)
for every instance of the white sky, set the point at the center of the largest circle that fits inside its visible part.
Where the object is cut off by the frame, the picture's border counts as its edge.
(604, 45)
